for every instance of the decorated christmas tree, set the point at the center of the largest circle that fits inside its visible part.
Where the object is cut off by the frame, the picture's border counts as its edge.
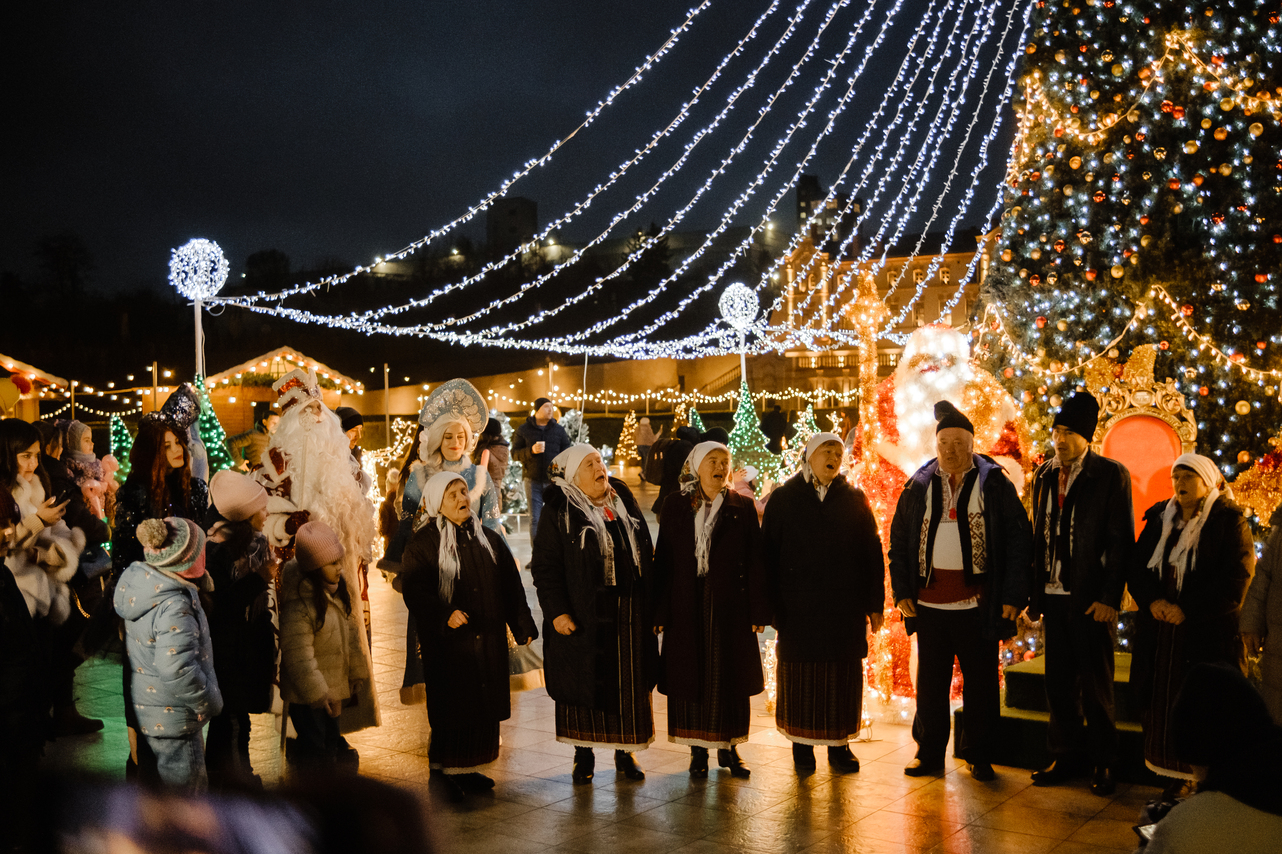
(695, 420)
(626, 451)
(575, 427)
(211, 432)
(1144, 205)
(791, 459)
(747, 442)
(512, 489)
(122, 442)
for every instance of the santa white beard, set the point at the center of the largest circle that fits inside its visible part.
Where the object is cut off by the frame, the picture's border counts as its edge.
(322, 476)
(935, 366)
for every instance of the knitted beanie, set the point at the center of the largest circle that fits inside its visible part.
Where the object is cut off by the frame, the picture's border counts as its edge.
(237, 496)
(75, 433)
(173, 545)
(315, 545)
(1080, 413)
(349, 417)
(948, 415)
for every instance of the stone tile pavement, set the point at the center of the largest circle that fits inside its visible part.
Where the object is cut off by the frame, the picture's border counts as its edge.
(535, 808)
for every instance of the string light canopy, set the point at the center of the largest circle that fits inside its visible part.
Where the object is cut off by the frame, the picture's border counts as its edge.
(947, 87)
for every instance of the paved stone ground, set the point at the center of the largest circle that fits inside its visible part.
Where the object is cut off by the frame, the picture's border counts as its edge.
(534, 807)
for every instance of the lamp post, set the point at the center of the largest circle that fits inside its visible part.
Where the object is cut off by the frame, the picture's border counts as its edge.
(198, 270)
(739, 307)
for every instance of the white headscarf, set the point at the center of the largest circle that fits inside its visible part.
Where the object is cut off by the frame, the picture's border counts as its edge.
(564, 468)
(812, 445)
(1186, 545)
(447, 552)
(690, 485)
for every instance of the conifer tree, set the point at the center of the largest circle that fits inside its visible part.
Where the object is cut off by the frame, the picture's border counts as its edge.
(1144, 206)
(747, 442)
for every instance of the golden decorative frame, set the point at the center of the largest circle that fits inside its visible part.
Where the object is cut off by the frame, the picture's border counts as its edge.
(1162, 400)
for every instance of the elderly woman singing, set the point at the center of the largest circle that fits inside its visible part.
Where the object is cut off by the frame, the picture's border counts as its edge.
(710, 599)
(591, 566)
(1188, 574)
(462, 586)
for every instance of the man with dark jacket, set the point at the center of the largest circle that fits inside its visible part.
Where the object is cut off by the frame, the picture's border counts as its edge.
(960, 588)
(535, 444)
(1083, 532)
(825, 575)
(675, 451)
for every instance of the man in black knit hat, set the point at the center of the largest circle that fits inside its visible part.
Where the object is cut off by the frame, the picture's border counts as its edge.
(960, 568)
(1083, 531)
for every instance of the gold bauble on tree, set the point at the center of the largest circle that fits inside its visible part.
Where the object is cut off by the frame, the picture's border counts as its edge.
(1242, 408)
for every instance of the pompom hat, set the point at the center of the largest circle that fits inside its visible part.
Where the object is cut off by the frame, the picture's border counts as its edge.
(173, 545)
(316, 545)
(950, 416)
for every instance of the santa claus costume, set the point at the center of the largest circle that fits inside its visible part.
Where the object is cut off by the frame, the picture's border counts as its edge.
(309, 474)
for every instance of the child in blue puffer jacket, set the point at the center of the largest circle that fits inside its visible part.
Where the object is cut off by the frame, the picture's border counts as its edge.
(174, 688)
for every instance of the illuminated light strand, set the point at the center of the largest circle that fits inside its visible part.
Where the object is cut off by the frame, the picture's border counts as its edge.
(909, 59)
(615, 176)
(680, 215)
(742, 247)
(563, 344)
(843, 285)
(731, 102)
(609, 397)
(1204, 342)
(993, 316)
(674, 36)
(426, 330)
(933, 267)
(80, 405)
(918, 66)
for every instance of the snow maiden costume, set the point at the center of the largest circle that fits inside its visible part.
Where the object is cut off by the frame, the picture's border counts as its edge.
(456, 403)
(468, 568)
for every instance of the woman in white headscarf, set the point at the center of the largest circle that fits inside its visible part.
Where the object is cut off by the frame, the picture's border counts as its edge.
(710, 600)
(462, 586)
(1188, 575)
(451, 419)
(591, 567)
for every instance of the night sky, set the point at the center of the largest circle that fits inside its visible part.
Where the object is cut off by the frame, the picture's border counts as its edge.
(342, 131)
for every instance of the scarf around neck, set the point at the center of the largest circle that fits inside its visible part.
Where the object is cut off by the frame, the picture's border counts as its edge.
(611, 509)
(690, 486)
(1185, 549)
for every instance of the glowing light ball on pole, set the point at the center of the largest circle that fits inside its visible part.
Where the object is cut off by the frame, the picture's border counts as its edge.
(739, 308)
(198, 270)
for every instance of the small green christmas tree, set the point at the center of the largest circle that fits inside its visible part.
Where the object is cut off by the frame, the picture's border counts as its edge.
(626, 451)
(695, 420)
(122, 442)
(806, 427)
(747, 442)
(211, 432)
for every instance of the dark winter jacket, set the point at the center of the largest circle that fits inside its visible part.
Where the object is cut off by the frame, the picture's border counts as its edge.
(569, 579)
(529, 434)
(737, 576)
(78, 514)
(1103, 532)
(24, 687)
(824, 570)
(1008, 542)
(133, 507)
(675, 452)
(466, 669)
(1210, 597)
(240, 623)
